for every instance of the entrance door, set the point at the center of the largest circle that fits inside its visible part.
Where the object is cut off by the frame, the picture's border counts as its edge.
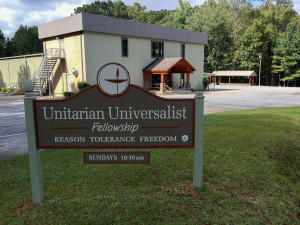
(156, 81)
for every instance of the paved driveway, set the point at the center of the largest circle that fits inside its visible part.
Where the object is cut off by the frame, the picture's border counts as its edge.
(233, 97)
(223, 98)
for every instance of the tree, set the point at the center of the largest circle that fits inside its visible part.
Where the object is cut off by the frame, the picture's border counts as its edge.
(253, 43)
(181, 14)
(286, 59)
(2, 44)
(115, 9)
(26, 41)
(210, 18)
(9, 48)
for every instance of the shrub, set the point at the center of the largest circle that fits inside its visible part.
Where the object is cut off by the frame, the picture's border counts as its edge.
(8, 89)
(82, 85)
(205, 82)
(3, 89)
(68, 94)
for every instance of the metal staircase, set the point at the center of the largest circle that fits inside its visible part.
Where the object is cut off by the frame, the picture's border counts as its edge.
(43, 77)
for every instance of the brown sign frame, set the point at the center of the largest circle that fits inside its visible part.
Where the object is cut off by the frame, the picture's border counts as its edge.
(40, 146)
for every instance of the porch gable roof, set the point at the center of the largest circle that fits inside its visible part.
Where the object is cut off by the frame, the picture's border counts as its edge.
(169, 65)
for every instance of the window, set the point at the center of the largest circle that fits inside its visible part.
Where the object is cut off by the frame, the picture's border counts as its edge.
(183, 50)
(157, 49)
(124, 47)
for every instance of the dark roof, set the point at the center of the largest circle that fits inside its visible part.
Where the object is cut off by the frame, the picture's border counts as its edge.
(175, 64)
(103, 24)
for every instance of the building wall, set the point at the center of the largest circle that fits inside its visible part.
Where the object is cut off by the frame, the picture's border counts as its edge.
(194, 54)
(14, 71)
(74, 58)
(101, 49)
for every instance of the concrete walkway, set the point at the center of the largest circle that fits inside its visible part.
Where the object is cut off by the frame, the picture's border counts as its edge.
(13, 140)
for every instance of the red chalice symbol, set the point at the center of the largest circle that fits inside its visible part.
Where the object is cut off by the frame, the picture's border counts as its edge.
(117, 81)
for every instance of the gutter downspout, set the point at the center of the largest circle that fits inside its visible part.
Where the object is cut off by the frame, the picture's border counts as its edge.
(81, 57)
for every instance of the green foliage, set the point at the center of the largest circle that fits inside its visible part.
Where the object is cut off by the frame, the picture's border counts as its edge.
(252, 43)
(3, 89)
(82, 85)
(8, 90)
(115, 9)
(26, 41)
(286, 59)
(2, 44)
(68, 94)
(181, 14)
(205, 82)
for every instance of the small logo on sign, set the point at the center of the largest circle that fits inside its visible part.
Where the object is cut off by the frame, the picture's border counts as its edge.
(185, 138)
(113, 79)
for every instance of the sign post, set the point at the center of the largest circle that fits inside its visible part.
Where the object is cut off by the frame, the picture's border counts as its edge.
(198, 148)
(34, 153)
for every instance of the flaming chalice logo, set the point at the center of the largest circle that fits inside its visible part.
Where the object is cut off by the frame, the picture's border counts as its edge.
(113, 79)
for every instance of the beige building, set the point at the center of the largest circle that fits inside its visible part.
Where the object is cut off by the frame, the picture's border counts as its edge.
(76, 47)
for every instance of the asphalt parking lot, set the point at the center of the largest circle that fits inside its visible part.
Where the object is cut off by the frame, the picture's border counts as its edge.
(13, 140)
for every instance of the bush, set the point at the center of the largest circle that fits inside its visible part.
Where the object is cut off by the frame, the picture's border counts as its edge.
(3, 89)
(8, 89)
(68, 94)
(82, 85)
(205, 82)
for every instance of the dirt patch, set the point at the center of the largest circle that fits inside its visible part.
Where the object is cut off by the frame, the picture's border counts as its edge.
(28, 205)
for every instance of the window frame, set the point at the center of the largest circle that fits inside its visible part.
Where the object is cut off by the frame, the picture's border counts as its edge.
(163, 49)
(122, 47)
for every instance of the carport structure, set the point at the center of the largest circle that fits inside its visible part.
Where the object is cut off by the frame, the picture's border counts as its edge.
(251, 75)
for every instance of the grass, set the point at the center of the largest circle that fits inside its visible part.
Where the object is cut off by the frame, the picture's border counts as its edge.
(251, 176)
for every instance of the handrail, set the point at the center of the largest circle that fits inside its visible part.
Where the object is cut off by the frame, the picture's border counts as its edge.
(55, 53)
(167, 88)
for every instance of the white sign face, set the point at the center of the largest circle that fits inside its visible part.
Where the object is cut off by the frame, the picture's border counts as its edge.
(113, 79)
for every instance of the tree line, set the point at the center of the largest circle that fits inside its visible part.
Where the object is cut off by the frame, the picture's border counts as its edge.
(239, 34)
(24, 42)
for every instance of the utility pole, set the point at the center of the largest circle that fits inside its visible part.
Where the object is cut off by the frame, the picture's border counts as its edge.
(260, 58)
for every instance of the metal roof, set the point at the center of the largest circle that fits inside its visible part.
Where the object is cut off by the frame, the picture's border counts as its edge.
(103, 24)
(235, 73)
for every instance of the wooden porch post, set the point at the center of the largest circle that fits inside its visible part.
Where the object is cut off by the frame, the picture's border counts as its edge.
(162, 80)
(188, 83)
(229, 79)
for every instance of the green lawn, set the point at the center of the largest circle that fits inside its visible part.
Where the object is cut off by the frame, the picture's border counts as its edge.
(251, 176)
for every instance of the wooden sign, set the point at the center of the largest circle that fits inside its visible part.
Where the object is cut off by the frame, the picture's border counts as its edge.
(112, 114)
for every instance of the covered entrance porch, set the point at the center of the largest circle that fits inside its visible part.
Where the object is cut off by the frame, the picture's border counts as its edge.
(159, 74)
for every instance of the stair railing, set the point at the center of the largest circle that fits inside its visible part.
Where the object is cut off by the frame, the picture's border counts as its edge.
(58, 53)
(167, 89)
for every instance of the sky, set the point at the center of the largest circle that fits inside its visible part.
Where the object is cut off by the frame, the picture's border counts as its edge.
(13, 13)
